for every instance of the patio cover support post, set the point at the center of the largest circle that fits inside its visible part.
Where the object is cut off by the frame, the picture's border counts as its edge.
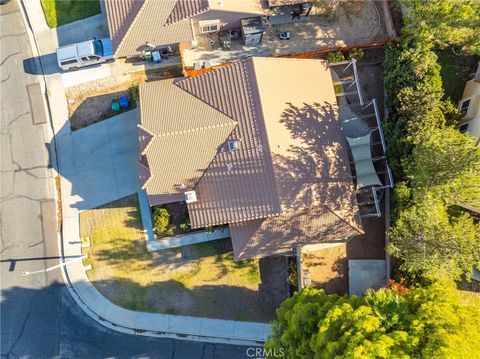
(355, 75)
(346, 68)
(377, 117)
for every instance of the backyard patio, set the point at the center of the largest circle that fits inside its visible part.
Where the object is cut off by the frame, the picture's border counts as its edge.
(313, 33)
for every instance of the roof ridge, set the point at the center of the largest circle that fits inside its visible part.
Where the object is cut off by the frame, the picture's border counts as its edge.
(151, 138)
(359, 230)
(180, 81)
(170, 21)
(139, 12)
(198, 128)
(130, 26)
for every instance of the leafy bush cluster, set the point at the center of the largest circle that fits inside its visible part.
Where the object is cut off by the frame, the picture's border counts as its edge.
(337, 56)
(161, 222)
(426, 322)
(436, 167)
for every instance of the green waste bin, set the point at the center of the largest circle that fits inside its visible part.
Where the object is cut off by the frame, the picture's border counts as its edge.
(115, 106)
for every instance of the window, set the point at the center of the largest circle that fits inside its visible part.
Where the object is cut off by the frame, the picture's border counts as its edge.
(85, 58)
(98, 47)
(68, 62)
(232, 146)
(464, 106)
(209, 26)
(463, 127)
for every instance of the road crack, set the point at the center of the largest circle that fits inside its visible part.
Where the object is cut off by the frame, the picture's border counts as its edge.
(9, 56)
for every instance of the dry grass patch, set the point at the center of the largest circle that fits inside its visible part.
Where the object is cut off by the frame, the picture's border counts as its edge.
(198, 280)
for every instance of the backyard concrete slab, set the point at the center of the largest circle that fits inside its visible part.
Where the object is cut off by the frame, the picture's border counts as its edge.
(366, 273)
(100, 161)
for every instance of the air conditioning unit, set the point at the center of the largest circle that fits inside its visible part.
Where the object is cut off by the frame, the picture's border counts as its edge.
(190, 197)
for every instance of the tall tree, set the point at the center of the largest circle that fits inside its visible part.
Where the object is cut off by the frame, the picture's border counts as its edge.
(420, 323)
(428, 236)
(444, 22)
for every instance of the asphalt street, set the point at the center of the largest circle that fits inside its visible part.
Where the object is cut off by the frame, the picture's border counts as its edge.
(39, 319)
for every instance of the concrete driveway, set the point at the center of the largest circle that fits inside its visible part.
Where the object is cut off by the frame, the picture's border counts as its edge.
(100, 161)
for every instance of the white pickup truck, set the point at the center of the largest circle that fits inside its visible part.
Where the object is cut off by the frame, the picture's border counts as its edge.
(86, 53)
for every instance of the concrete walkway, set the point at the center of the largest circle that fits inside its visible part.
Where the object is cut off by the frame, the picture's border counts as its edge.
(187, 239)
(83, 292)
(146, 214)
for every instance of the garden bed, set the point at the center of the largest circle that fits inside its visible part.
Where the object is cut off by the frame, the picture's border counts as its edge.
(173, 221)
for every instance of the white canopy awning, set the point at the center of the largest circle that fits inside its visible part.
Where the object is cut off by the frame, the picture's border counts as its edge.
(362, 156)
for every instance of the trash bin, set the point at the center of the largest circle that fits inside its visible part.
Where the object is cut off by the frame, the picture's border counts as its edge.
(115, 106)
(124, 103)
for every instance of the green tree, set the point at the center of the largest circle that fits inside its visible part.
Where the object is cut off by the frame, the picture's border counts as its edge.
(447, 163)
(432, 242)
(414, 98)
(429, 236)
(444, 22)
(421, 323)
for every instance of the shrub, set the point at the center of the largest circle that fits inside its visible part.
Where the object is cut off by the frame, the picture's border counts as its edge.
(134, 96)
(423, 322)
(161, 222)
(335, 56)
(186, 225)
(355, 53)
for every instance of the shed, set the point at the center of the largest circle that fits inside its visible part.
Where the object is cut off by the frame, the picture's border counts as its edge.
(252, 30)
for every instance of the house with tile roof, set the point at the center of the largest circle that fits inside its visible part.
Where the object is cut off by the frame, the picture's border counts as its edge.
(136, 24)
(259, 144)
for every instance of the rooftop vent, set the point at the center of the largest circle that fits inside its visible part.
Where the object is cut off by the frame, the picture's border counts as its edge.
(190, 197)
(229, 167)
(232, 146)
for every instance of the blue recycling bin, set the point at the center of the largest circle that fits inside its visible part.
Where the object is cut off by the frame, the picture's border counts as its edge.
(124, 103)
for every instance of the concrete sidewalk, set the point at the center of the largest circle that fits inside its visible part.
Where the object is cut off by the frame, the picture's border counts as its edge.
(83, 292)
(187, 239)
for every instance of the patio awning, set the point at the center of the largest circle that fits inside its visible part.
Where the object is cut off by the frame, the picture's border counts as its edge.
(362, 156)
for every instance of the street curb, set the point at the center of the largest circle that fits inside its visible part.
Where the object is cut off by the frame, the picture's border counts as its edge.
(86, 308)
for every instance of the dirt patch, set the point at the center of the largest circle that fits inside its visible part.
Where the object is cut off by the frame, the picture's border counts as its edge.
(274, 286)
(370, 73)
(328, 269)
(91, 102)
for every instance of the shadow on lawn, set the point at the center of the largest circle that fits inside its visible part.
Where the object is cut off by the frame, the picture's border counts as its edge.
(230, 302)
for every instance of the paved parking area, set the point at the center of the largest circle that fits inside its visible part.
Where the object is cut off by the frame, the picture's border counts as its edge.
(100, 161)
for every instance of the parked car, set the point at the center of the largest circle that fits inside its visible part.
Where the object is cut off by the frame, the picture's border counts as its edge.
(284, 35)
(86, 53)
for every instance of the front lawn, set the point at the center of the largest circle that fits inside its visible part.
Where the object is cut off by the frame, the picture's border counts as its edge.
(61, 12)
(198, 280)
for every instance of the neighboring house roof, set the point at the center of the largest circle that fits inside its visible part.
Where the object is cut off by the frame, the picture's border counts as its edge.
(186, 134)
(185, 9)
(468, 207)
(133, 23)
